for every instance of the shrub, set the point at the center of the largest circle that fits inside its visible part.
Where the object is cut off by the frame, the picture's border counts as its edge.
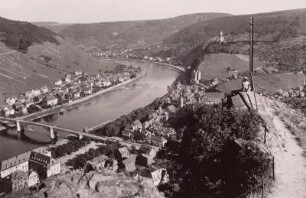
(211, 158)
(71, 146)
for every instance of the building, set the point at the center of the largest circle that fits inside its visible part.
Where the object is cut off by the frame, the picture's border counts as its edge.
(233, 73)
(11, 101)
(78, 73)
(18, 106)
(58, 82)
(214, 82)
(16, 181)
(171, 109)
(147, 150)
(127, 134)
(44, 165)
(122, 153)
(146, 156)
(44, 89)
(160, 176)
(195, 76)
(136, 125)
(8, 111)
(129, 163)
(28, 103)
(158, 141)
(17, 163)
(87, 90)
(221, 38)
(51, 101)
(33, 179)
(38, 99)
(76, 94)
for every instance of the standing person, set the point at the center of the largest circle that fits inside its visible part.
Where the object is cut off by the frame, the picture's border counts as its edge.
(246, 85)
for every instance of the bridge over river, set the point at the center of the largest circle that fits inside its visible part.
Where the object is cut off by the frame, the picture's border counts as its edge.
(19, 124)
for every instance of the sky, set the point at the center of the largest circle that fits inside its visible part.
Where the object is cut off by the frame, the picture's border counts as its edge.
(89, 11)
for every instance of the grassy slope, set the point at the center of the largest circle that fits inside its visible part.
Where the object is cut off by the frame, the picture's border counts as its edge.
(267, 82)
(132, 33)
(215, 65)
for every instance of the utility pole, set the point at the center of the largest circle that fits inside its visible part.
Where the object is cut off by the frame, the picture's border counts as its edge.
(251, 55)
(251, 61)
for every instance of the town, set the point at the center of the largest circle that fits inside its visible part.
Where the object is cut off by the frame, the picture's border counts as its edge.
(72, 87)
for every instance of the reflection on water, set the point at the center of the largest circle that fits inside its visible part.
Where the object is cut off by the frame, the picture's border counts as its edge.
(108, 106)
(50, 118)
(10, 145)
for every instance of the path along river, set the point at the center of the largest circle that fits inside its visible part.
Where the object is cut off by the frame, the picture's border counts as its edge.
(103, 108)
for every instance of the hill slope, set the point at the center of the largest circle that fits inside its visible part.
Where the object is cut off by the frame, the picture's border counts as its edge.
(53, 26)
(287, 30)
(46, 58)
(132, 34)
(21, 35)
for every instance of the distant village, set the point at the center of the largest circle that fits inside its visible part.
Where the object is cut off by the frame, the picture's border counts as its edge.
(72, 87)
(139, 54)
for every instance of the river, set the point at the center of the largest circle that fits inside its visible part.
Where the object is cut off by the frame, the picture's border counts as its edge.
(103, 108)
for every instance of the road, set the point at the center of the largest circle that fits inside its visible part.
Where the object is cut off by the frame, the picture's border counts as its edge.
(70, 131)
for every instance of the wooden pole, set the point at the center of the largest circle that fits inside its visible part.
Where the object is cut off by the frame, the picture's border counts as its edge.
(251, 51)
(251, 59)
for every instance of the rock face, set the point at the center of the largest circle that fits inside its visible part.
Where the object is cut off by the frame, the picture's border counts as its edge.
(98, 184)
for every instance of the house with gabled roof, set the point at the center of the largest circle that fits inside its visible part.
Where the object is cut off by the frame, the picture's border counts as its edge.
(146, 155)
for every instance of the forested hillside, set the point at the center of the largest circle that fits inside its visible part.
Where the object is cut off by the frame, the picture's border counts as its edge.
(132, 34)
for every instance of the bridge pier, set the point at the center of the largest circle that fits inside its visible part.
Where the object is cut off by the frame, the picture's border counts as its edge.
(53, 136)
(20, 134)
(80, 137)
(18, 126)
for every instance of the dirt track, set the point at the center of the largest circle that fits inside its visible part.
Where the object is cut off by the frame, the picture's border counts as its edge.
(290, 164)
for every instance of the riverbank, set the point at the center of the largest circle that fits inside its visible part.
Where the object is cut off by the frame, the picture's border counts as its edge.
(112, 88)
(173, 67)
(70, 105)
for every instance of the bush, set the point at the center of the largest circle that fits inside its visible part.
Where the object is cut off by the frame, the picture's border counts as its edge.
(297, 103)
(71, 146)
(213, 163)
(107, 150)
